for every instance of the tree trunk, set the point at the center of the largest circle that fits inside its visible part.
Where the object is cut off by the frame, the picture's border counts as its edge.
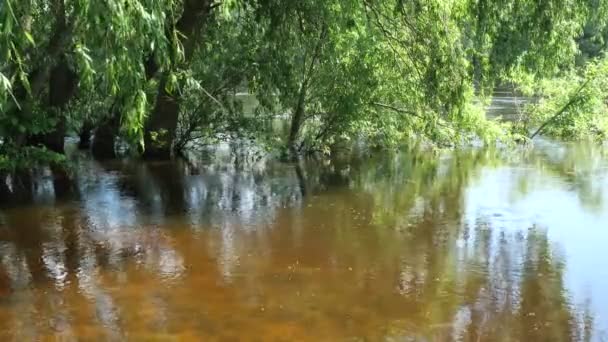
(5, 283)
(57, 76)
(62, 182)
(298, 116)
(5, 192)
(296, 124)
(84, 142)
(104, 141)
(20, 189)
(160, 129)
(62, 85)
(301, 175)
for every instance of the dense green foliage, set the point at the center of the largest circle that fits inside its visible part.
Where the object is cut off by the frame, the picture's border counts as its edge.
(570, 106)
(170, 75)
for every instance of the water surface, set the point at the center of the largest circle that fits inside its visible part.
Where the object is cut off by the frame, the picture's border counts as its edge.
(474, 245)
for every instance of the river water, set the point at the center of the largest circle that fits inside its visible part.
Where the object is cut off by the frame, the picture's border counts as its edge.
(472, 245)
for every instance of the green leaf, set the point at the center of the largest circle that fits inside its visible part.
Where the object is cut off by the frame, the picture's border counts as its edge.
(29, 37)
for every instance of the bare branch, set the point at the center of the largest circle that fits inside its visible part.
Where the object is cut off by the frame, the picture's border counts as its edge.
(409, 112)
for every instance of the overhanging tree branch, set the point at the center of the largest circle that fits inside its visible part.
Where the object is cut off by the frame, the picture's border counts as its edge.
(409, 112)
(398, 110)
(563, 110)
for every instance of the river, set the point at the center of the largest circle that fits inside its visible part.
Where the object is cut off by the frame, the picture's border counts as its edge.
(472, 245)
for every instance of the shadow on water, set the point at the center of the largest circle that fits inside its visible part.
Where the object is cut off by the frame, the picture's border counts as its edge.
(407, 245)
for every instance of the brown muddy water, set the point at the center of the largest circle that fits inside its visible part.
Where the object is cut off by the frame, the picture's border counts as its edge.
(474, 245)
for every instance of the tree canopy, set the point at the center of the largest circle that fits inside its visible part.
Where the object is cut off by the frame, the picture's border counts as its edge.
(167, 75)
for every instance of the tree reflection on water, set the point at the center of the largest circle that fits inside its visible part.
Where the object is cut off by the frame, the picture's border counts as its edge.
(389, 246)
